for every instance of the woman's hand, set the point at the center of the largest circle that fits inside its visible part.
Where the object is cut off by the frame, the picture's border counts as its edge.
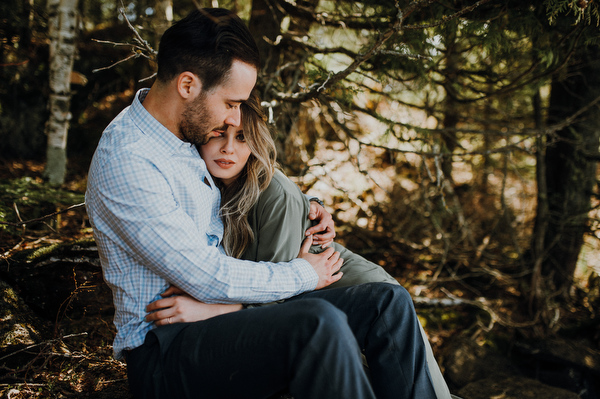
(178, 307)
(324, 232)
(326, 264)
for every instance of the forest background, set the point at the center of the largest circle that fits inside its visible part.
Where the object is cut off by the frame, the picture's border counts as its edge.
(456, 143)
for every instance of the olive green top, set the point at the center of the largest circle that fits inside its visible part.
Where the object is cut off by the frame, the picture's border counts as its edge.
(279, 220)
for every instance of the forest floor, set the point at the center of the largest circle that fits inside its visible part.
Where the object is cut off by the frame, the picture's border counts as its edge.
(73, 359)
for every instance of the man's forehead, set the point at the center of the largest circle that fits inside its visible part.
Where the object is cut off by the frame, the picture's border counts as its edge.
(239, 82)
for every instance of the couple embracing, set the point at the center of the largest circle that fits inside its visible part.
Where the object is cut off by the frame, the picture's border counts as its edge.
(201, 241)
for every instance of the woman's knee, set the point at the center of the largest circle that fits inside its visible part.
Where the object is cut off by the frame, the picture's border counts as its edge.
(320, 310)
(389, 295)
(320, 316)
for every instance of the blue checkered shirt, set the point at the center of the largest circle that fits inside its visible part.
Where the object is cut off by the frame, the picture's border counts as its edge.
(154, 210)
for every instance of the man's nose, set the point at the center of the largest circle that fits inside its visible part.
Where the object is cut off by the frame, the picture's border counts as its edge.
(234, 117)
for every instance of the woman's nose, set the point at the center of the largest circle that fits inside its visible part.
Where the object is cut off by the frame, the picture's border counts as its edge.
(227, 147)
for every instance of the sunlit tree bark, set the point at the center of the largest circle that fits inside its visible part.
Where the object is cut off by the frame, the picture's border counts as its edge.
(62, 31)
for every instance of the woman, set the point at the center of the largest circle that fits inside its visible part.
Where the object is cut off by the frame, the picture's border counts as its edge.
(265, 216)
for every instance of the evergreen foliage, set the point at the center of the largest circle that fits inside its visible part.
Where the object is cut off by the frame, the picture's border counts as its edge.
(436, 105)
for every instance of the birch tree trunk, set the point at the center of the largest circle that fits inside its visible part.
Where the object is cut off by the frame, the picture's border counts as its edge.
(62, 31)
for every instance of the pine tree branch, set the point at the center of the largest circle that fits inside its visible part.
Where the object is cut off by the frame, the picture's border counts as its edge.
(448, 18)
(316, 89)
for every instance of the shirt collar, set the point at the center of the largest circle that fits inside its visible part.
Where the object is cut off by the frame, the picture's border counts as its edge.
(153, 128)
(158, 132)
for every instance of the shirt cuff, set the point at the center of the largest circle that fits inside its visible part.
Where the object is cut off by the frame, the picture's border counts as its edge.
(307, 273)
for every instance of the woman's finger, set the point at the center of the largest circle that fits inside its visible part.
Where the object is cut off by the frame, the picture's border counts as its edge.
(159, 315)
(305, 245)
(159, 304)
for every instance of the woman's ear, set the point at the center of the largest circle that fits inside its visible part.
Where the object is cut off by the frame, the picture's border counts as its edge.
(188, 85)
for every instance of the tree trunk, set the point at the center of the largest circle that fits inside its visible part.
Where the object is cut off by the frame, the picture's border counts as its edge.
(62, 31)
(542, 213)
(451, 113)
(570, 164)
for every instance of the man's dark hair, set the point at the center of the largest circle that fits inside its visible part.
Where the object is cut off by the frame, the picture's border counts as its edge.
(205, 43)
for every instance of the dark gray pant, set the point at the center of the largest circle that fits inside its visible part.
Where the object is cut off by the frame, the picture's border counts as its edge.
(310, 344)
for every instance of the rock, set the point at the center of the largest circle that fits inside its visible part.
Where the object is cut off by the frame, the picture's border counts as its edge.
(19, 327)
(513, 387)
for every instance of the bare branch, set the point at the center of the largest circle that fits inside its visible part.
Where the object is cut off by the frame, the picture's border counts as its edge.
(141, 49)
(137, 36)
(135, 55)
(482, 304)
(52, 341)
(25, 222)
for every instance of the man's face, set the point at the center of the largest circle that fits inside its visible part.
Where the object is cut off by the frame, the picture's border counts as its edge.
(218, 108)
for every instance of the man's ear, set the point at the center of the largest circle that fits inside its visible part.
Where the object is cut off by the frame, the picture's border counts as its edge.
(188, 85)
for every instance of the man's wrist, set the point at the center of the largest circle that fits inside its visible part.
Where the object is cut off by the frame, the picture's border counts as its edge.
(318, 201)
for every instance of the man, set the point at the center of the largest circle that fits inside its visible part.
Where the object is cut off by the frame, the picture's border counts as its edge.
(154, 211)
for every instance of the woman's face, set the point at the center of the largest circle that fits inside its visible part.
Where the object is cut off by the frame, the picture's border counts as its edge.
(226, 154)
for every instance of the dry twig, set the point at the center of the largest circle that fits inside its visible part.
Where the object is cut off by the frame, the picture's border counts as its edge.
(40, 219)
(494, 316)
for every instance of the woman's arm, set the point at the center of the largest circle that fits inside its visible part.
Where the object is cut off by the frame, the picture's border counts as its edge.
(278, 228)
(178, 307)
(279, 221)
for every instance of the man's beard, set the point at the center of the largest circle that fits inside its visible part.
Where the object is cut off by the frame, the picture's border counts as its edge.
(195, 125)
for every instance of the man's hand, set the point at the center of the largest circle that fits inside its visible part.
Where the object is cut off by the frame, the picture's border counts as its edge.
(326, 264)
(323, 233)
(178, 307)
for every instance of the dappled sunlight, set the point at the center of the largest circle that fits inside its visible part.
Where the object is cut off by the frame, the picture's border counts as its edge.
(417, 124)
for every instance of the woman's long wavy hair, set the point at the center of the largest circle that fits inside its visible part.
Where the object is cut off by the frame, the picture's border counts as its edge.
(239, 197)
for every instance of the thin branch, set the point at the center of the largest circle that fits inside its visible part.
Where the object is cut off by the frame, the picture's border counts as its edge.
(138, 38)
(25, 222)
(495, 317)
(134, 55)
(51, 341)
(74, 259)
(141, 49)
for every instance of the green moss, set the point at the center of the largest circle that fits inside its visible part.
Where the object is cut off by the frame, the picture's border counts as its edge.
(33, 198)
(43, 252)
(39, 254)
(444, 318)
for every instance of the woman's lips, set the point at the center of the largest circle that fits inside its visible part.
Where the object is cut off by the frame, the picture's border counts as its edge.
(224, 163)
